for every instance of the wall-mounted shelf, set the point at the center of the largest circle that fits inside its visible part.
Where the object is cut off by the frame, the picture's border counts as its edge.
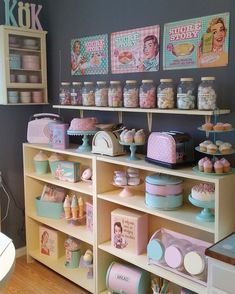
(148, 111)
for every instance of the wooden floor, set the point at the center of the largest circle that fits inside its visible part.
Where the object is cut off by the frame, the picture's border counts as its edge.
(35, 278)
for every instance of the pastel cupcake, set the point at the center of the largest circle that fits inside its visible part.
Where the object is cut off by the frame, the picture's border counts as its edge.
(207, 165)
(226, 165)
(218, 167)
(207, 126)
(201, 163)
(225, 148)
(211, 148)
(139, 137)
(227, 127)
(218, 127)
(218, 143)
(129, 137)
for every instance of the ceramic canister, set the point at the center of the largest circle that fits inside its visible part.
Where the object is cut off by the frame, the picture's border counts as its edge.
(37, 96)
(22, 78)
(33, 79)
(15, 61)
(13, 96)
(40, 163)
(25, 97)
(31, 62)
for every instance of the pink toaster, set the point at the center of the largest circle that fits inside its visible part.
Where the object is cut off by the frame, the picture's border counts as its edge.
(170, 149)
(38, 127)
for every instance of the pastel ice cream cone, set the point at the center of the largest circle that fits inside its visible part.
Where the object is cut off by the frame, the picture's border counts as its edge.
(81, 207)
(67, 207)
(74, 207)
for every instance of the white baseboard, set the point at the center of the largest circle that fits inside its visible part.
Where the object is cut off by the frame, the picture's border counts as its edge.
(20, 252)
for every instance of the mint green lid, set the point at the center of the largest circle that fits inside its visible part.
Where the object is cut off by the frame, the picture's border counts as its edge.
(159, 179)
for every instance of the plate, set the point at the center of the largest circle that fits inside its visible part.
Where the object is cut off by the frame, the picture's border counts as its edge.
(213, 131)
(196, 170)
(216, 153)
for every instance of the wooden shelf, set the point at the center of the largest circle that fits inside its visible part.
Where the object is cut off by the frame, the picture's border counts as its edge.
(78, 232)
(76, 275)
(145, 110)
(185, 215)
(142, 262)
(80, 186)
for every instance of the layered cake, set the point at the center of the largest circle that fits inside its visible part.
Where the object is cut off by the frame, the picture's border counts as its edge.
(203, 192)
(83, 124)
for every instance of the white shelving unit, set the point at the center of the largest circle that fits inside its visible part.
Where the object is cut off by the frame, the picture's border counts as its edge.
(106, 198)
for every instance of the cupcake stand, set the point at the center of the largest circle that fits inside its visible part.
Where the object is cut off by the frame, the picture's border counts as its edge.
(133, 147)
(85, 146)
(206, 214)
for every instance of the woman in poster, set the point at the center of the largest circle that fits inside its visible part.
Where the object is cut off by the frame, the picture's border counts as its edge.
(119, 240)
(150, 50)
(78, 62)
(44, 243)
(211, 50)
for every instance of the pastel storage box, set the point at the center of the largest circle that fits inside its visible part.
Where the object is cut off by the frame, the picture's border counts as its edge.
(60, 139)
(129, 230)
(49, 209)
(51, 242)
(68, 171)
(163, 191)
(127, 279)
(170, 149)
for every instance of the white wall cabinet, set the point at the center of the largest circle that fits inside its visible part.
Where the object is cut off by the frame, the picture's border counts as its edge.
(106, 198)
(23, 67)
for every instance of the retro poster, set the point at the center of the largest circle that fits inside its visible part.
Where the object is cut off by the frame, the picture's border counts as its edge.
(135, 50)
(196, 43)
(89, 55)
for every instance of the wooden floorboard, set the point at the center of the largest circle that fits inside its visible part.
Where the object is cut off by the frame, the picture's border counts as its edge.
(35, 278)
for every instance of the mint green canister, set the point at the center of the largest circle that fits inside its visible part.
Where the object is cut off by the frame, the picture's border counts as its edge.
(40, 163)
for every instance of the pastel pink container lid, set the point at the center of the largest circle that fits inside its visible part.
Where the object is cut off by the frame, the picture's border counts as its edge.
(173, 257)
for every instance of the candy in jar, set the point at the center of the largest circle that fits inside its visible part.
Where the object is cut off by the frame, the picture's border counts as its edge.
(88, 95)
(130, 94)
(186, 94)
(101, 94)
(165, 94)
(65, 97)
(115, 94)
(206, 97)
(76, 93)
(147, 94)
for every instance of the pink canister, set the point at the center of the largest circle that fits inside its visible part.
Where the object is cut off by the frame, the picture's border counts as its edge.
(31, 62)
(128, 279)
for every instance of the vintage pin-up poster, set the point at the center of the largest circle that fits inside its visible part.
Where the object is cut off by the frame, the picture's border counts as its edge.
(135, 50)
(89, 55)
(195, 43)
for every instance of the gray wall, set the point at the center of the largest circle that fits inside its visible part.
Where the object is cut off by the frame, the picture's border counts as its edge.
(66, 20)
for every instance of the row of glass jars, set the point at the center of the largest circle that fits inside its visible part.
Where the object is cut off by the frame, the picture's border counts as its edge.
(143, 97)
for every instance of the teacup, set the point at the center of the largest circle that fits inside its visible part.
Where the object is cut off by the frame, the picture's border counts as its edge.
(22, 78)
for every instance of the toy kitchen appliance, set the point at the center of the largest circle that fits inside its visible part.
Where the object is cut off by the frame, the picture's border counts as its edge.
(170, 149)
(107, 143)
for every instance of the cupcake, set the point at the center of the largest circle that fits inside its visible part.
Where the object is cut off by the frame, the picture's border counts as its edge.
(226, 165)
(227, 127)
(207, 165)
(218, 167)
(204, 144)
(211, 148)
(218, 127)
(225, 148)
(129, 137)
(218, 143)
(139, 137)
(207, 126)
(201, 163)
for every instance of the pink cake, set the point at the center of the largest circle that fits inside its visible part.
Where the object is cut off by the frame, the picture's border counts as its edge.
(83, 124)
(203, 192)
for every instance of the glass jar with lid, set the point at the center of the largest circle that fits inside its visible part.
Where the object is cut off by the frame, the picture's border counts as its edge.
(101, 94)
(65, 97)
(147, 94)
(206, 97)
(130, 94)
(166, 94)
(186, 96)
(88, 94)
(115, 94)
(76, 93)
